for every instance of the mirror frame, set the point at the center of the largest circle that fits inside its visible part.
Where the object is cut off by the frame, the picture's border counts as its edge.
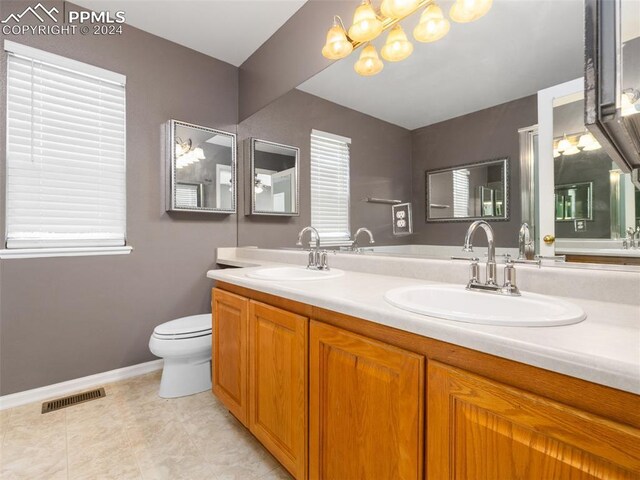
(171, 166)
(251, 191)
(505, 178)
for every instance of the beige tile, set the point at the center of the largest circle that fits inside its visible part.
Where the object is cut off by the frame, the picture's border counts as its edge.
(133, 434)
(32, 457)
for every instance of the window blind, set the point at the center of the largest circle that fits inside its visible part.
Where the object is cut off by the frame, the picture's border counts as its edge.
(65, 153)
(330, 187)
(461, 193)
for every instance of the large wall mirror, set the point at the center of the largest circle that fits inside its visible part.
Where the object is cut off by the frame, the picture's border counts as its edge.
(596, 204)
(202, 169)
(273, 178)
(467, 192)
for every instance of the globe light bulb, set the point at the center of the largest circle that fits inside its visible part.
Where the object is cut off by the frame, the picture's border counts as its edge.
(369, 63)
(397, 46)
(337, 45)
(366, 24)
(432, 26)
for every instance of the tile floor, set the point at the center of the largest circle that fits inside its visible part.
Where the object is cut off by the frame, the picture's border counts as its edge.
(132, 434)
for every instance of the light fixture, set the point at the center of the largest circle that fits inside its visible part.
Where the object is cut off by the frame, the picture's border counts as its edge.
(337, 45)
(432, 26)
(366, 24)
(369, 63)
(182, 147)
(465, 11)
(588, 143)
(398, 8)
(565, 147)
(369, 23)
(397, 46)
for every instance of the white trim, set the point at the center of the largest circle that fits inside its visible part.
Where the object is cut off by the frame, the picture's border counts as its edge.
(65, 388)
(331, 136)
(63, 62)
(545, 202)
(12, 253)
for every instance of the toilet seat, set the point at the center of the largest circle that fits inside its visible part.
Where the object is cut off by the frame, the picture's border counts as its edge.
(184, 328)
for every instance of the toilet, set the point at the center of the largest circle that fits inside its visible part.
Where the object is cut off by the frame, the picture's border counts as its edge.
(185, 346)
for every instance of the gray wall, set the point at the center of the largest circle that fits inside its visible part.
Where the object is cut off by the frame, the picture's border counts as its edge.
(380, 165)
(63, 318)
(291, 56)
(486, 134)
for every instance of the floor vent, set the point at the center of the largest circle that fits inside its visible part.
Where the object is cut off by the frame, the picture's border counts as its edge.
(64, 402)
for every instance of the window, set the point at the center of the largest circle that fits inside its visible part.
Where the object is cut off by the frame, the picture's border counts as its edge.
(330, 187)
(461, 193)
(65, 152)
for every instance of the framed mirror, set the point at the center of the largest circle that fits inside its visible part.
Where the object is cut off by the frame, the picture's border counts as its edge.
(273, 178)
(468, 192)
(202, 169)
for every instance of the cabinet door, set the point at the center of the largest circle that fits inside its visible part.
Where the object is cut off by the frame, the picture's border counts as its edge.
(365, 408)
(230, 352)
(278, 384)
(481, 430)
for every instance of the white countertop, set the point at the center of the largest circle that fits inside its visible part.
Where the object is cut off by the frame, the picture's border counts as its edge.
(604, 348)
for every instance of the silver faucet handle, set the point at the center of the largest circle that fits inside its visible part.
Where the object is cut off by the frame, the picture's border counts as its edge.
(312, 260)
(324, 260)
(468, 259)
(474, 272)
(510, 287)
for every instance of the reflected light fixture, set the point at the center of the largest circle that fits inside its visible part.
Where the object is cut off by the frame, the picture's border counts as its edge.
(337, 45)
(588, 143)
(369, 23)
(397, 46)
(398, 8)
(366, 24)
(369, 63)
(432, 26)
(465, 11)
(565, 147)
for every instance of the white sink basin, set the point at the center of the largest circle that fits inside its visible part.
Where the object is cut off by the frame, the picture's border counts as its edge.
(453, 302)
(284, 274)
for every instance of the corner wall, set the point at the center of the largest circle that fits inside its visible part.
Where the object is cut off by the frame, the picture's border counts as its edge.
(64, 318)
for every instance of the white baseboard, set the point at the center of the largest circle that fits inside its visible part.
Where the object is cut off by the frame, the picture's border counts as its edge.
(71, 386)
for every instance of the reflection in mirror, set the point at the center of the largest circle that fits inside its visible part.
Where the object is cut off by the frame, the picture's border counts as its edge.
(589, 185)
(202, 165)
(274, 178)
(468, 192)
(574, 202)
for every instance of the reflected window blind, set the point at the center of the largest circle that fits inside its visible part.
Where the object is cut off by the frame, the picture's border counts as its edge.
(65, 152)
(330, 187)
(461, 193)
(187, 195)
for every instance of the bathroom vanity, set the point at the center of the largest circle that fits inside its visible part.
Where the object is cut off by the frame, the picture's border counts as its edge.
(338, 396)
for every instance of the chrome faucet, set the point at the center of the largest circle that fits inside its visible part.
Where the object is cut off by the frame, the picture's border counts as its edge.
(317, 259)
(491, 258)
(354, 244)
(526, 250)
(509, 287)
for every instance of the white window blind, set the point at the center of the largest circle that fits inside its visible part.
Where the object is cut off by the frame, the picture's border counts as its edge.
(330, 187)
(461, 193)
(65, 152)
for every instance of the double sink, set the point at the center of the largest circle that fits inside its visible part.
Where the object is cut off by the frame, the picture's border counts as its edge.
(453, 302)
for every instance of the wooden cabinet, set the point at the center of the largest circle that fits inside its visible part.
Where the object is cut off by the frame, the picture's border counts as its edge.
(366, 407)
(339, 398)
(278, 384)
(478, 429)
(230, 352)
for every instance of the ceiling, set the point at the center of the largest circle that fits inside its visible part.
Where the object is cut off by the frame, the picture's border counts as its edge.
(518, 48)
(229, 30)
